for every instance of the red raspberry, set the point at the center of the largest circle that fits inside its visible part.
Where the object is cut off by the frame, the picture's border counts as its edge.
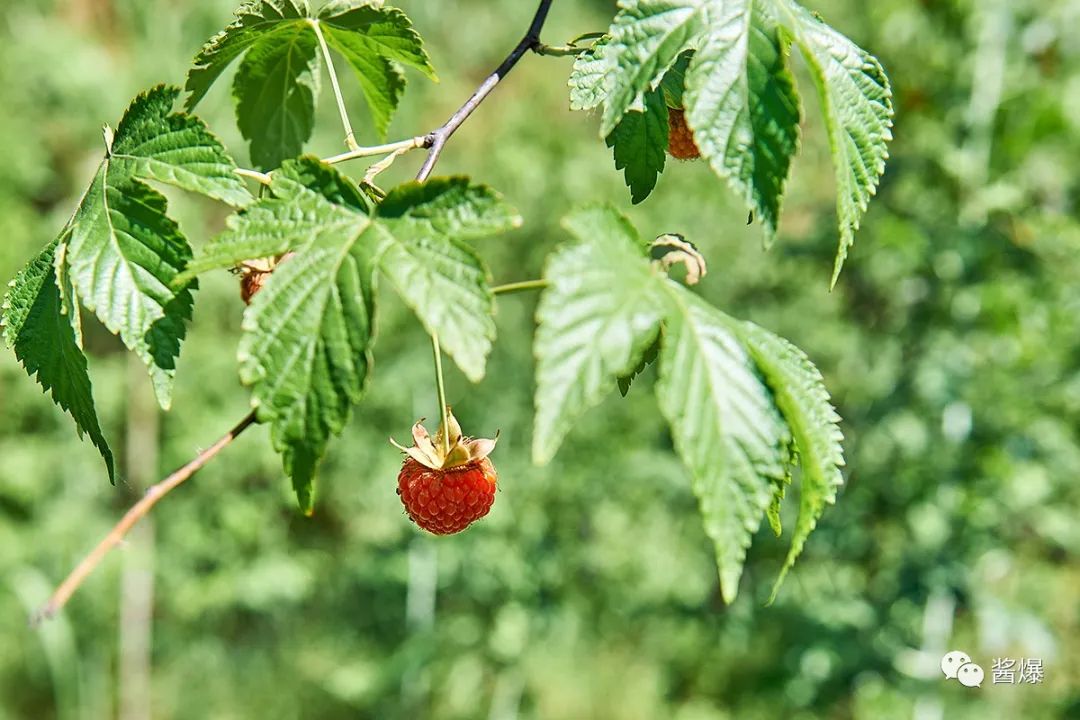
(447, 501)
(681, 145)
(251, 282)
(446, 485)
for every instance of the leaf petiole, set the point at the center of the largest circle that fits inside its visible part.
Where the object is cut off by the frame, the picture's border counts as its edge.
(517, 287)
(350, 136)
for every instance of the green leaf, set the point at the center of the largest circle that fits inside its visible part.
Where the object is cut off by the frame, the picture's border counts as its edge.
(123, 255)
(308, 334)
(422, 228)
(372, 38)
(597, 318)
(590, 78)
(724, 424)
(45, 341)
(154, 143)
(418, 235)
(857, 102)
(741, 402)
(804, 402)
(650, 357)
(743, 108)
(277, 85)
(739, 94)
(256, 22)
(645, 40)
(301, 461)
(275, 92)
(640, 142)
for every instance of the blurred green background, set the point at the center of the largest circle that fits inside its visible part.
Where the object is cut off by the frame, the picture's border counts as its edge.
(951, 345)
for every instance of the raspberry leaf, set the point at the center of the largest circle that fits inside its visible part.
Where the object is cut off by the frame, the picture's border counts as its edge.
(739, 95)
(802, 398)
(373, 39)
(45, 340)
(277, 85)
(154, 143)
(857, 101)
(742, 403)
(640, 142)
(275, 91)
(597, 318)
(421, 230)
(309, 332)
(122, 253)
(743, 109)
(725, 426)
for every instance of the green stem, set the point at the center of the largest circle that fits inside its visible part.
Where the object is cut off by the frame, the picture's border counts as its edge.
(394, 147)
(517, 287)
(263, 178)
(441, 387)
(350, 136)
(559, 50)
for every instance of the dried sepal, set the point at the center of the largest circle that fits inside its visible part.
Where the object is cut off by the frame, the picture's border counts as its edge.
(432, 453)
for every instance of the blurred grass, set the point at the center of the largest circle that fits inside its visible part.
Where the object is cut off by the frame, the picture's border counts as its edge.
(950, 344)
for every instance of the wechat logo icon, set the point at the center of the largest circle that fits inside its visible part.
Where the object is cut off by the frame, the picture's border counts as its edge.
(957, 665)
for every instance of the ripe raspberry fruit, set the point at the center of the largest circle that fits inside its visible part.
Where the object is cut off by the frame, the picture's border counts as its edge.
(255, 273)
(681, 145)
(446, 490)
(251, 282)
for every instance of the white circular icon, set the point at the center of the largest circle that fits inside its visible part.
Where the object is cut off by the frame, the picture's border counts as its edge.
(951, 663)
(970, 675)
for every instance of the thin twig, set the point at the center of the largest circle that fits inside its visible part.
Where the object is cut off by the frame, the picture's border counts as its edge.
(350, 136)
(517, 287)
(154, 493)
(437, 139)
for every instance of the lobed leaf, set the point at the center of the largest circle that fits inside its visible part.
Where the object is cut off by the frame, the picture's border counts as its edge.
(256, 21)
(154, 143)
(726, 63)
(308, 333)
(740, 401)
(596, 319)
(802, 398)
(277, 85)
(743, 107)
(45, 341)
(372, 39)
(857, 101)
(725, 427)
(640, 142)
(422, 229)
(275, 91)
(123, 254)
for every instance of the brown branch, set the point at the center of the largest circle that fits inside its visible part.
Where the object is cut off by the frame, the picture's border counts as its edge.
(436, 140)
(154, 493)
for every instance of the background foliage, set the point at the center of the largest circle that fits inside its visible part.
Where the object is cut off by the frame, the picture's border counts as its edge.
(950, 346)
